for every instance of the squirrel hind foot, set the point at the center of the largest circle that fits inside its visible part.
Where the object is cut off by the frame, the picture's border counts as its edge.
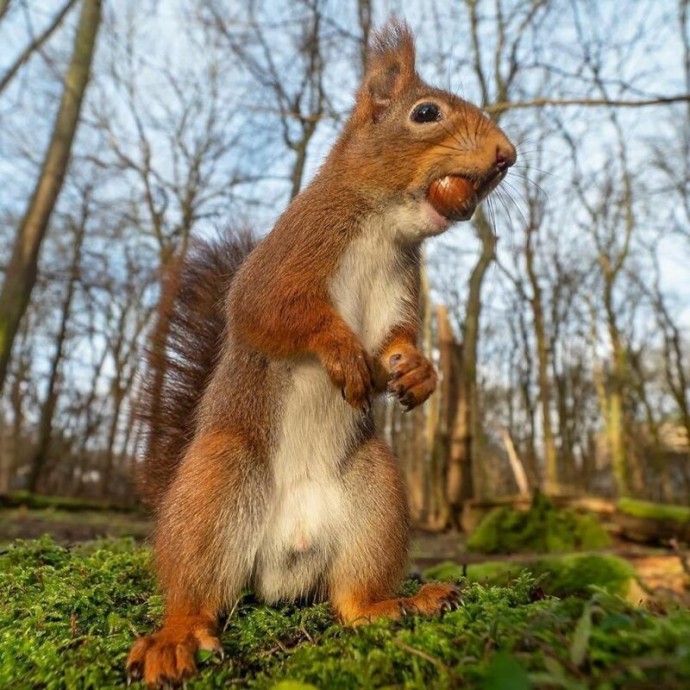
(432, 599)
(168, 656)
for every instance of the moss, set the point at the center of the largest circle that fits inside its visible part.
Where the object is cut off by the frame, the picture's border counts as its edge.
(68, 618)
(444, 572)
(541, 529)
(71, 525)
(495, 572)
(561, 576)
(654, 511)
(37, 501)
(576, 575)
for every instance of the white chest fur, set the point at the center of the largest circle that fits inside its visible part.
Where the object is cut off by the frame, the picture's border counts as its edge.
(368, 288)
(307, 516)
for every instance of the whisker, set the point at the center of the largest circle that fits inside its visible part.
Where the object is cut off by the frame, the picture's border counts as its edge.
(505, 191)
(466, 144)
(500, 198)
(530, 181)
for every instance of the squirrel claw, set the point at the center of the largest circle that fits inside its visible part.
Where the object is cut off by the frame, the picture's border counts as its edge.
(133, 674)
(412, 379)
(454, 601)
(451, 605)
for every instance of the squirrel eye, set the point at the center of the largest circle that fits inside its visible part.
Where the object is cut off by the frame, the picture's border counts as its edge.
(426, 112)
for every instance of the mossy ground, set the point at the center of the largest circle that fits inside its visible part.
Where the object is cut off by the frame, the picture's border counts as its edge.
(560, 576)
(541, 529)
(70, 526)
(29, 500)
(654, 511)
(25, 515)
(68, 617)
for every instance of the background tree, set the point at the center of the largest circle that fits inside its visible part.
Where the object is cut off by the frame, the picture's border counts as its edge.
(558, 317)
(20, 273)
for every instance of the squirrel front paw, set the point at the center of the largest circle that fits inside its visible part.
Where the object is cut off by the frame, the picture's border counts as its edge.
(412, 378)
(349, 368)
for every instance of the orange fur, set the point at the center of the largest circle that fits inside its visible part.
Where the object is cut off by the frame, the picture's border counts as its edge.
(169, 655)
(355, 608)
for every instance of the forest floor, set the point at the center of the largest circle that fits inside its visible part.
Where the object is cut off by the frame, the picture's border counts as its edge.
(69, 526)
(657, 568)
(74, 601)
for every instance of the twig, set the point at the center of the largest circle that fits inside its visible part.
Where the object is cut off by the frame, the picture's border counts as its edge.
(35, 44)
(588, 102)
(561, 660)
(230, 615)
(640, 664)
(682, 555)
(422, 655)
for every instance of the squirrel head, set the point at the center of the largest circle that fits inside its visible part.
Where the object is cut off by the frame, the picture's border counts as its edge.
(409, 143)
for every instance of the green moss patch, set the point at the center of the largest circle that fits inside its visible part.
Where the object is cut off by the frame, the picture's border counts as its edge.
(541, 529)
(578, 574)
(68, 618)
(26, 499)
(561, 576)
(654, 511)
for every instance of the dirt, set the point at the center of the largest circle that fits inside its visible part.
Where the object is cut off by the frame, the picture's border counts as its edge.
(69, 527)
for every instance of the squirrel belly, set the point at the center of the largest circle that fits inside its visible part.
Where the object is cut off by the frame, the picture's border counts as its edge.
(309, 514)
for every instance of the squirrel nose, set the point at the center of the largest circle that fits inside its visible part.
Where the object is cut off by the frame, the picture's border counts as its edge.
(506, 155)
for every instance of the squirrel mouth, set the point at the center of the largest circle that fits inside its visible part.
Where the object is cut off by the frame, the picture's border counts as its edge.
(456, 197)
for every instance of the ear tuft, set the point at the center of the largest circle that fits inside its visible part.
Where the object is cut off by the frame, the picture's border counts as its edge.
(390, 70)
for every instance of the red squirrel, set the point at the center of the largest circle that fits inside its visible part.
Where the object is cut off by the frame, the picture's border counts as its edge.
(263, 463)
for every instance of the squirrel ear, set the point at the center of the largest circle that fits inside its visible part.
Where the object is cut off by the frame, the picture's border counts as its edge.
(390, 70)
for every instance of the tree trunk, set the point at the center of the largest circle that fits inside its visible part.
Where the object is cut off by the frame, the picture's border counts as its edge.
(14, 450)
(20, 275)
(439, 409)
(452, 447)
(4, 6)
(468, 413)
(109, 458)
(616, 424)
(419, 467)
(45, 425)
(551, 479)
(91, 423)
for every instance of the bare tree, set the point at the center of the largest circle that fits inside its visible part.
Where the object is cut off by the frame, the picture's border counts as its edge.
(296, 93)
(20, 274)
(45, 423)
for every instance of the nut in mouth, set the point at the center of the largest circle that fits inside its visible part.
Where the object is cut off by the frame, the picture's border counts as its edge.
(456, 197)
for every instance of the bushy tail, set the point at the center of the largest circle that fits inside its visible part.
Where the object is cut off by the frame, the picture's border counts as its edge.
(183, 353)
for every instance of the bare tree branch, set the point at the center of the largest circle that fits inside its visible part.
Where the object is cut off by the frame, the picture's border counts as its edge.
(496, 108)
(35, 44)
